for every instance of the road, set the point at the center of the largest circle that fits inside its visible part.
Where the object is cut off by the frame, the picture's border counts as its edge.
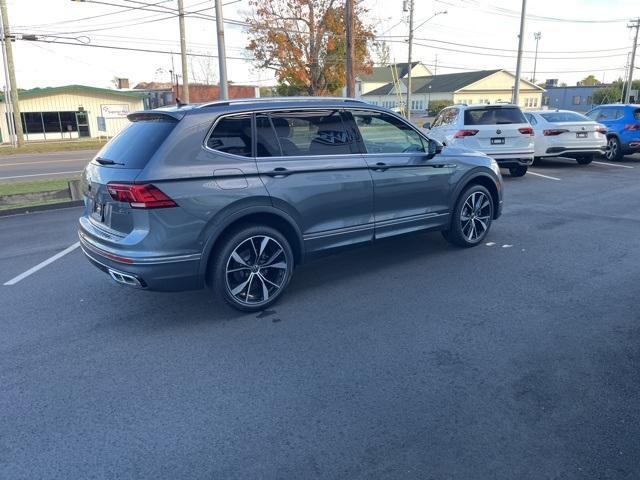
(40, 166)
(409, 359)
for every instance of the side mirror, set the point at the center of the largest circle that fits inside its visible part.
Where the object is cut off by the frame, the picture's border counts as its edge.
(427, 125)
(435, 148)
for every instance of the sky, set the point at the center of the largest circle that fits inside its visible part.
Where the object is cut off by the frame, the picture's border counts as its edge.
(578, 37)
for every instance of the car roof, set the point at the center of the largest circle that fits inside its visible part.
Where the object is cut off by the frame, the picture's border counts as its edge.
(484, 105)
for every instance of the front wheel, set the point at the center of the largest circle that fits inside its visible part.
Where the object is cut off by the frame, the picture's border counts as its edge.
(518, 171)
(472, 217)
(253, 267)
(586, 160)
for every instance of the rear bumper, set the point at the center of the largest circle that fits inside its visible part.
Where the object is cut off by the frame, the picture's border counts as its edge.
(557, 151)
(168, 273)
(515, 162)
(631, 147)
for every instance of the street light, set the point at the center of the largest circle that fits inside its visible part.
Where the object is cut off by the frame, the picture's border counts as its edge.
(537, 36)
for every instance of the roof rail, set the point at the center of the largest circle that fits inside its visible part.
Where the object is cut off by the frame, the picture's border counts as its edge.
(239, 101)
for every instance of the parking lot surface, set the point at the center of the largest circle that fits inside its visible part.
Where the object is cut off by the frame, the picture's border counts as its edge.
(518, 359)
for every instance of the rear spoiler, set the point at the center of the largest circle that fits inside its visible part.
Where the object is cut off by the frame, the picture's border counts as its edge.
(156, 115)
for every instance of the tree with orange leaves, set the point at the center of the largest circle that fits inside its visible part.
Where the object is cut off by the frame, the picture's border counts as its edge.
(304, 41)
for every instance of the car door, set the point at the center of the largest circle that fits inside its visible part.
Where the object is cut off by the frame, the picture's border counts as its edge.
(311, 167)
(411, 191)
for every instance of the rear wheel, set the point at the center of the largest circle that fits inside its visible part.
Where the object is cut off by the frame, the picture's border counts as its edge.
(254, 266)
(614, 151)
(472, 217)
(518, 171)
(586, 160)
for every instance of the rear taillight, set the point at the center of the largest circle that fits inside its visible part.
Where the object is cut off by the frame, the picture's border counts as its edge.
(140, 196)
(601, 129)
(554, 131)
(632, 126)
(465, 133)
(526, 130)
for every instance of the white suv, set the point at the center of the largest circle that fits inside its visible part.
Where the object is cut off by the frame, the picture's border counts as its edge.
(500, 131)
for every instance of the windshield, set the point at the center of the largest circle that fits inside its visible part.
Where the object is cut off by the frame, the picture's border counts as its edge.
(493, 116)
(136, 144)
(564, 117)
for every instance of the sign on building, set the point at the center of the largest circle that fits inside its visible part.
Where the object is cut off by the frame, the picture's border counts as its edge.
(114, 110)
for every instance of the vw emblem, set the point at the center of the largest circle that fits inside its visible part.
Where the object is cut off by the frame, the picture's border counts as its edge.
(498, 131)
(582, 128)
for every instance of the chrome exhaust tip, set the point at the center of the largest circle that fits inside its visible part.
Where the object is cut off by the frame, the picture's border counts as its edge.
(125, 279)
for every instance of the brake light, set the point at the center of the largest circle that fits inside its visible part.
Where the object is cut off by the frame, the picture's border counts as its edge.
(140, 196)
(526, 130)
(632, 126)
(465, 133)
(601, 129)
(554, 131)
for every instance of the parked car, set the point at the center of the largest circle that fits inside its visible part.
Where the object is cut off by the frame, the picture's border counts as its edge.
(623, 128)
(563, 133)
(500, 131)
(233, 194)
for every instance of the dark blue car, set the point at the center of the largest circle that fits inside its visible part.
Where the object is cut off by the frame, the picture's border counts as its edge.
(623, 125)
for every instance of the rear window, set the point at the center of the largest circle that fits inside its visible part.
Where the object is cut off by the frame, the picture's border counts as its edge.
(493, 116)
(136, 144)
(564, 117)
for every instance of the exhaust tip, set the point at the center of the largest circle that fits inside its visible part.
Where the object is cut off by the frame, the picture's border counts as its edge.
(125, 279)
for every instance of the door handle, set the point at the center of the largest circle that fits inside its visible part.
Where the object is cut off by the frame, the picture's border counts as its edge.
(380, 167)
(279, 172)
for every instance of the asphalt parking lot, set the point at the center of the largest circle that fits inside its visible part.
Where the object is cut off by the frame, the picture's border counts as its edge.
(518, 359)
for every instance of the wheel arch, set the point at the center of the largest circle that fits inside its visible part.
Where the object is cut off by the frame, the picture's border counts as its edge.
(486, 181)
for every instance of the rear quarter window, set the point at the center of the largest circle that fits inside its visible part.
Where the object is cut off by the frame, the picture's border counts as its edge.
(134, 146)
(493, 116)
(636, 114)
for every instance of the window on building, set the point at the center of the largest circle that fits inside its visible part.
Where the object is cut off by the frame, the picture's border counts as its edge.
(545, 101)
(68, 121)
(51, 122)
(535, 102)
(576, 99)
(32, 122)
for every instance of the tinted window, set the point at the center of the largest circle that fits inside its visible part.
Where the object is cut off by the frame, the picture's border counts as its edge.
(267, 143)
(232, 135)
(636, 114)
(564, 117)
(313, 132)
(137, 143)
(493, 116)
(383, 133)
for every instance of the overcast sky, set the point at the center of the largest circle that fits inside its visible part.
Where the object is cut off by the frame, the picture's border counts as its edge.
(483, 24)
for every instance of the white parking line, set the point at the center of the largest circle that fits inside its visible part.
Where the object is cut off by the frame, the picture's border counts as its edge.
(543, 176)
(38, 175)
(41, 265)
(612, 164)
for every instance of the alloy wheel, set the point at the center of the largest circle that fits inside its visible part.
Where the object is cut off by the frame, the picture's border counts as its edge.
(612, 149)
(475, 216)
(256, 270)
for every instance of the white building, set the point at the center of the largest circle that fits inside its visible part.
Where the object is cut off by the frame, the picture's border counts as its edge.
(381, 76)
(484, 86)
(72, 111)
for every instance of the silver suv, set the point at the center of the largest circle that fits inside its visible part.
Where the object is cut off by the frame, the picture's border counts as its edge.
(500, 131)
(234, 194)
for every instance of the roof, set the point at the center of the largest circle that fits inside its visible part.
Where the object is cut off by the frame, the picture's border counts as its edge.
(42, 92)
(449, 82)
(384, 74)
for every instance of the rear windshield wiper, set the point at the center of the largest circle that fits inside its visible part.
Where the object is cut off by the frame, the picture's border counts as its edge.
(106, 161)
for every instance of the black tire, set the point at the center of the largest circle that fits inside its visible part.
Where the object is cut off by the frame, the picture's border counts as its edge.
(518, 171)
(459, 231)
(250, 267)
(586, 160)
(614, 149)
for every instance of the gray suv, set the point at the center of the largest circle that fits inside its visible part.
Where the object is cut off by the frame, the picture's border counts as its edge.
(234, 194)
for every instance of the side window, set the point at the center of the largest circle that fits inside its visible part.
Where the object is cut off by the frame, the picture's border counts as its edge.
(383, 133)
(232, 135)
(617, 114)
(449, 117)
(438, 121)
(532, 120)
(593, 114)
(267, 143)
(312, 132)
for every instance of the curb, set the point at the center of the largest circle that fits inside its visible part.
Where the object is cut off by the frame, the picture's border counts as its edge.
(40, 208)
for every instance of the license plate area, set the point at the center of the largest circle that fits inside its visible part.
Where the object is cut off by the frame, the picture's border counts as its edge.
(98, 211)
(497, 141)
(581, 135)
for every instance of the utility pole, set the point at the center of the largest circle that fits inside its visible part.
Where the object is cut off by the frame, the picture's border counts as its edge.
(222, 55)
(516, 88)
(411, 5)
(537, 36)
(7, 95)
(183, 54)
(351, 79)
(633, 57)
(12, 87)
